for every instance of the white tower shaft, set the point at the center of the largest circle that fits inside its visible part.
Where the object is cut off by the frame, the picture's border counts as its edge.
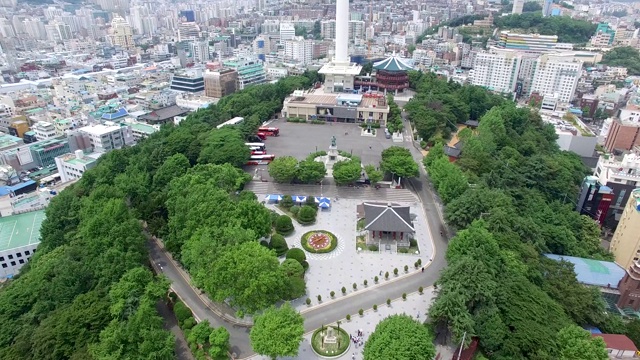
(342, 32)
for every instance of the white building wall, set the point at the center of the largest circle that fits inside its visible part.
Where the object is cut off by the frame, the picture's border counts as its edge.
(557, 75)
(12, 260)
(496, 70)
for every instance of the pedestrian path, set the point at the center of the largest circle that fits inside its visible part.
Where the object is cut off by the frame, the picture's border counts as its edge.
(331, 191)
(415, 306)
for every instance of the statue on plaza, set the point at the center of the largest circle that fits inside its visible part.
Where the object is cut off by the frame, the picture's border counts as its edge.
(333, 141)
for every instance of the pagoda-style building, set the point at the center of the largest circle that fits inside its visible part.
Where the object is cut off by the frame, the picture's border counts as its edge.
(391, 74)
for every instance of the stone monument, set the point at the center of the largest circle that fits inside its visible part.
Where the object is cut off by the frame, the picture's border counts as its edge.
(330, 336)
(333, 150)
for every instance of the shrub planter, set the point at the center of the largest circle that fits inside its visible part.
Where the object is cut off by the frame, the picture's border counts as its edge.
(333, 350)
(319, 241)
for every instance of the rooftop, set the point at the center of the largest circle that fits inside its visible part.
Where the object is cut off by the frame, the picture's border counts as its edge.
(20, 230)
(593, 272)
(8, 140)
(392, 63)
(164, 113)
(617, 342)
(143, 128)
(99, 129)
(387, 217)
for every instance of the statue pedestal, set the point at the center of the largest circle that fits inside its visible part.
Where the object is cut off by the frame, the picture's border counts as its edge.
(332, 154)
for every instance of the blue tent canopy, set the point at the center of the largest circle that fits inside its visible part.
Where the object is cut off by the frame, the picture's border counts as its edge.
(321, 199)
(273, 198)
(298, 198)
(324, 205)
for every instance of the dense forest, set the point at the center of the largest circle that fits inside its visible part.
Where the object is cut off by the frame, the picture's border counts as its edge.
(88, 292)
(626, 56)
(497, 285)
(568, 30)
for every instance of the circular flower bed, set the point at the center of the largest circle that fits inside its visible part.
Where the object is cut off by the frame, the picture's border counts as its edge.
(319, 241)
(330, 350)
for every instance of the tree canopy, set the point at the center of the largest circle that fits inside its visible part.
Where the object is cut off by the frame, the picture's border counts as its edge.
(567, 29)
(277, 332)
(625, 56)
(399, 337)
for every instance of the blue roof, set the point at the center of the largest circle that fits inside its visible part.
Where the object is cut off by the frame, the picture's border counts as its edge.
(593, 272)
(4, 190)
(122, 112)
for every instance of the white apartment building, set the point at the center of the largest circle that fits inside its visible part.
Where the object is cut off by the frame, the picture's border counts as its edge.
(556, 74)
(104, 138)
(299, 49)
(287, 31)
(72, 166)
(328, 29)
(357, 30)
(496, 70)
(44, 130)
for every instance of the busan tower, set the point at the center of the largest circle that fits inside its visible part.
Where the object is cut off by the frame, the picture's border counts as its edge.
(340, 72)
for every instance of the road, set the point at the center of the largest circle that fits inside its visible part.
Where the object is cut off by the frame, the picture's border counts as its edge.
(335, 310)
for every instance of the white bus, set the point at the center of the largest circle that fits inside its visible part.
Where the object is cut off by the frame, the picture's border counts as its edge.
(256, 146)
(235, 121)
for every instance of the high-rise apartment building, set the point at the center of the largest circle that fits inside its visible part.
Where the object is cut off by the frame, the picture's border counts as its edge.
(556, 74)
(299, 50)
(624, 135)
(250, 71)
(328, 29)
(547, 7)
(121, 33)
(188, 31)
(220, 83)
(518, 5)
(625, 244)
(200, 51)
(496, 70)
(535, 43)
(287, 32)
(356, 30)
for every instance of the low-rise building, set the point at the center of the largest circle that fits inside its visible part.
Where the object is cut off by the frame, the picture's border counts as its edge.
(21, 234)
(44, 130)
(337, 107)
(72, 166)
(45, 152)
(108, 136)
(141, 130)
(164, 115)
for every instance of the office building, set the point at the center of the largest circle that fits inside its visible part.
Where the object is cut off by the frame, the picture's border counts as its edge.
(604, 36)
(534, 43)
(220, 83)
(250, 71)
(188, 81)
(45, 152)
(21, 235)
(625, 244)
(106, 137)
(121, 33)
(594, 199)
(72, 166)
(299, 50)
(287, 32)
(44, 130)
(496, 70)
(556, 74)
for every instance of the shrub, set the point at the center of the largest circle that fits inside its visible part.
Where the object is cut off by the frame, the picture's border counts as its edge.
(319, 298)
(404, 296)
(413, 242)
(375, 279)
(188, 323)
(279, 244)
(373, 247)
(295, 288)
(304, 241)
(264, 243)
(286, 202)
(406, 268)
(365, 283)
(308, 301)
(389, 302)
(332, 293)
(295, 210)
(355, 286)
(386, 275)
(348, 317)
(274, 217)
(420, 290)
(419, 262)
(375, 307)
(318, 122)
(311, 201)
(344, 290)
(284, 225)
(305, 265)
(297, 255)
(360, 312)
(314, 155)
(182, 312)
(173, 297)
(403, 250)
(307, 215)
(416, 265)
(395, 271)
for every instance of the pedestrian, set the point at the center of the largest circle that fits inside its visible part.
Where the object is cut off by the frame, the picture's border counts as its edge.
(423, 269)
(418, 316)
(369, 147)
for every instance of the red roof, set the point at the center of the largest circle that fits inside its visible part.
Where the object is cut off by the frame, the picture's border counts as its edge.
(618, 342)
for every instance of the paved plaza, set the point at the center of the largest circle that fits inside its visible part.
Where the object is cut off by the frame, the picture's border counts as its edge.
(345, 266)
(415, 305)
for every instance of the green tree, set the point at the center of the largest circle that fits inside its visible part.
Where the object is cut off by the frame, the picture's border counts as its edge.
(225, 145)
(174, 167)
(283, 169)
(399, 337)
(374, 175)
(575, 343)
(296, 254)
(219, 343)
(399, 161)
(277, 332)
(346, 171)
(311, 171)
(247, 275)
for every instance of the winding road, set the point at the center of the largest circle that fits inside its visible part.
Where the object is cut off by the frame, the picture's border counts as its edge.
(332, 311)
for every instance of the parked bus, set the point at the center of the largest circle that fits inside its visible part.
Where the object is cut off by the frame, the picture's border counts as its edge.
(262, 136)
(270, 131)
(258, 152)
(235, 121)
(256, 146)
(260, 159)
